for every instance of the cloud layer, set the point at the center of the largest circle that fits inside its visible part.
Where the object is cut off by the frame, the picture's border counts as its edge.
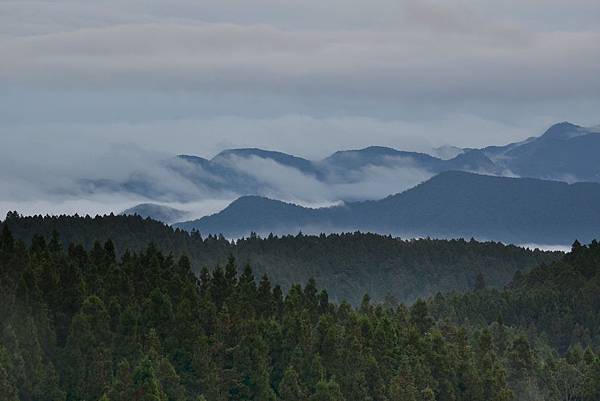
(460, 62)
(116, 177)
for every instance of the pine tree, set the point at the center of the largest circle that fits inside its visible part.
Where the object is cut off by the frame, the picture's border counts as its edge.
(327, 391)
(170, 381)
(7, 385)
(420, 317)
(479, 282)
(264, 297)
(145, 383)
(521, 365)
(427, 394)
(290, 388)
(402, 387)
(122, 386)
(592, 385)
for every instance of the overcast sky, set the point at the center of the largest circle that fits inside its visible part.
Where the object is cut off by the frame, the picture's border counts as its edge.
(80, 77)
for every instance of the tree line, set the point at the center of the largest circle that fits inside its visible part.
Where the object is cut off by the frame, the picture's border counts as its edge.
(348, 265)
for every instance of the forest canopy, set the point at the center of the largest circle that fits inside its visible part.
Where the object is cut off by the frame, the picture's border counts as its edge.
(348, 265)
(86, 324)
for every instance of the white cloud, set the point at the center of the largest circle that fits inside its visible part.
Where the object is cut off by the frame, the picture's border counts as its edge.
(291, 185)
(377, 182)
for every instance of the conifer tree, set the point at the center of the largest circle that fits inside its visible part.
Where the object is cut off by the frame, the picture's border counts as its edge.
(145, 383)
(290, 387)
(327, 390)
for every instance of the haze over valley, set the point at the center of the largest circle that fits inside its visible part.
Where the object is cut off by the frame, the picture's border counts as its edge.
(187, 189)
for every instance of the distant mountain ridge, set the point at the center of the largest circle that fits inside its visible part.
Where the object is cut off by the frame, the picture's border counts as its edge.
(565, 152)
(160, 213)
(452, 204)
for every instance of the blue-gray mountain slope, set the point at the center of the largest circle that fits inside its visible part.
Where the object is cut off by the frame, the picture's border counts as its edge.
(452, 204)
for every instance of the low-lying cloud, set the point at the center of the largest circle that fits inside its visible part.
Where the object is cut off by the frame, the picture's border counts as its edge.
(289, 184)
(113, 177)
(94, 178)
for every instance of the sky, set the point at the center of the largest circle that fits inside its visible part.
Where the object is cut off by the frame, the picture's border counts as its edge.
(99, 88)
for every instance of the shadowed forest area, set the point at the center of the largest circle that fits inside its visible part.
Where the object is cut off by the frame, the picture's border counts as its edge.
(347, 265)
(86, 324)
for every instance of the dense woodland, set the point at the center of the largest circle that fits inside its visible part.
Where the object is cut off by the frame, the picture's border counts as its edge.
(347, 265)
(561, 301)
(79, 324)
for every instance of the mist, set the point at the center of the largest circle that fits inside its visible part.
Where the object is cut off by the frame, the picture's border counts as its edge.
(110, 178)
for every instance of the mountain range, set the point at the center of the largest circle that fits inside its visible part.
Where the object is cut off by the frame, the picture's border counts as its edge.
(565, 152)
(451, 204)
(542, 190)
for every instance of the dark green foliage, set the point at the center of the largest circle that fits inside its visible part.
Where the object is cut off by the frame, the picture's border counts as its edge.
(145, 383)
(560, 301)
(290, 388)
(327, 391)
(142, 327)
(346, 265)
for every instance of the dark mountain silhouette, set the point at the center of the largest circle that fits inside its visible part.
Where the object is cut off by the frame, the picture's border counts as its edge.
(452, 204)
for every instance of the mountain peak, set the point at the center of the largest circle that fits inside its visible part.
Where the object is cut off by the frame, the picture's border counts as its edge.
(250, 199)
(285, 159)
(247, 152)
(563, 130)
(378, 149)
(472, 160)
(370, 150)
(192, 159)
(157, 212)
(258, 203)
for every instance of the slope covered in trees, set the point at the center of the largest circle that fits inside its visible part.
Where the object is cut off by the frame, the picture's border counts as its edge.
(560, 301)
(80, 325)
(347, 265)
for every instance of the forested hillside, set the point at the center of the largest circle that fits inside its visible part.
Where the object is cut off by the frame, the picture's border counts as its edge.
(79, 325)
(560, 301)
(347, 265)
